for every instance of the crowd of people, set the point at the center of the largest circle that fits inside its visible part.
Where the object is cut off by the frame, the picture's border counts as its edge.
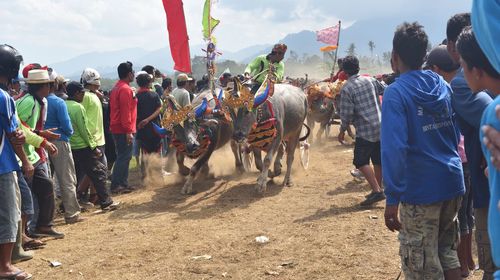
(424, 133)
(431, 136)
(60, 142)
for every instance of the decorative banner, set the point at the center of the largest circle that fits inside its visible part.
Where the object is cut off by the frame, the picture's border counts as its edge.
(208, 22)
(329, 35)
(328, 48)
(177, 34)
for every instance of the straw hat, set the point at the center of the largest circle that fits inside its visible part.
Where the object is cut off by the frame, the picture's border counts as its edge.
(38, 76)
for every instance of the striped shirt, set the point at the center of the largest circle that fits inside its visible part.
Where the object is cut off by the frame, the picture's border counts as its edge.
(360, 106)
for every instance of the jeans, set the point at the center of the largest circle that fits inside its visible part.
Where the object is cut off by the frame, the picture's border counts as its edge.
(123, 157)
(483, 243)
(26, 196)
(9, 208)
(42, 189)
(64, 168)
(465, 217)
(86, 163)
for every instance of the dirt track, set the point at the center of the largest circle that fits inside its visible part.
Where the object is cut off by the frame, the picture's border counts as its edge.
(316, 230)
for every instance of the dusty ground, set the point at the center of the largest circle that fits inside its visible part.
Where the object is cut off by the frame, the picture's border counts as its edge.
(316, 230)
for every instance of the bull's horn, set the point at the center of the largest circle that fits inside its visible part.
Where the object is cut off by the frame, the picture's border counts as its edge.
(261, 98)
(200, 110)
(160, 130)
(221, 95)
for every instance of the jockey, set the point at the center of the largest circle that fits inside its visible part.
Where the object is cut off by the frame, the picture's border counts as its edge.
(257, 69)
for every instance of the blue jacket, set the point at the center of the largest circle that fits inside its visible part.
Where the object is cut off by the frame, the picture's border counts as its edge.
(419, 141)
(490, 118)
(469, 108)
(58, 117)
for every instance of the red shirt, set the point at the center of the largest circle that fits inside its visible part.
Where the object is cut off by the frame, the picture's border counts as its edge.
(123, 109)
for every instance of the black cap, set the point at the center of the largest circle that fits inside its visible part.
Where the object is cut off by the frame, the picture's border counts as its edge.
(440, 57)
(73, 87)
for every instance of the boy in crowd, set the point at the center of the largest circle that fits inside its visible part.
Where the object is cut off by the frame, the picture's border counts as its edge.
(11, 141)
(469, 108)
(148, 111)
(64, 166)
(422, 169)
(360, 105)
(84, 147)
(481, 75)
(123, 108)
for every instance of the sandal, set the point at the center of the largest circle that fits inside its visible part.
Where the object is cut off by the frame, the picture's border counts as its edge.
(19, 275)
(33, 244)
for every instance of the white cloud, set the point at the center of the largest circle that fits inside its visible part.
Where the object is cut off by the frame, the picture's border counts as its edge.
(48, 31)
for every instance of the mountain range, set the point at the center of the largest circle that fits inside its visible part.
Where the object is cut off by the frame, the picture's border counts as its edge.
(380, 31)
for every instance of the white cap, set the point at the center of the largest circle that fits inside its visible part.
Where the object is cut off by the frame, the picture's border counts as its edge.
(90, 76)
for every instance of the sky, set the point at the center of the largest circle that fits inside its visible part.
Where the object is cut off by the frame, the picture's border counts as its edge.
(49, 31)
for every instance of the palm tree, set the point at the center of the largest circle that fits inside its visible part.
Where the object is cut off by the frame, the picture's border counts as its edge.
(351, 50)
(371, 45)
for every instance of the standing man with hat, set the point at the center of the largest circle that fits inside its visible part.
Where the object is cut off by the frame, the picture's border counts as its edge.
(181, 94)
(257, 69)
(64, 166)
(29, 110)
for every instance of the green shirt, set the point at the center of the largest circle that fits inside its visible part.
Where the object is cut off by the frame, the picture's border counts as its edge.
(81, 138)
(93, 106)
(28, 111)
(261, 65)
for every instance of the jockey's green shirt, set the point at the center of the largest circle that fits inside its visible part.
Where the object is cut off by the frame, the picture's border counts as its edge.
(261, 64)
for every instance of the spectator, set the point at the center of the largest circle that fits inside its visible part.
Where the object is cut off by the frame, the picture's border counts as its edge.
(156, 85)
(64, 166)
(469, 108)
(486, 26)
(148, 111)
(225, 78)
(123, 108)
(30, 110)
(440, 62)
(480, 74)
(10, 139)
(422, 169)
(360, 106)
(180, 94)
(167, 87)
(110, 150)
(60, 84)
(84, 147)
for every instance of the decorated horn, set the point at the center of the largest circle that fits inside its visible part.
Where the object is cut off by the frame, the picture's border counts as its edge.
(200, 110)
(262, 97)
(160, 130)
(221, 95)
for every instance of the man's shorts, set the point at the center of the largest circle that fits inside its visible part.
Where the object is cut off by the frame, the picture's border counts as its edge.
(429, 239)
(10, 213)
(364, 151)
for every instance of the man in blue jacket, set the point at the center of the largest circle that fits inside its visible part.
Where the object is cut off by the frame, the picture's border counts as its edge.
(422, 170)
(480, 74)
(469, 108)
(64, 166)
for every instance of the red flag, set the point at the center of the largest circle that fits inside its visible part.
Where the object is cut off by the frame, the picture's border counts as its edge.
(177, 35)
(329, 35)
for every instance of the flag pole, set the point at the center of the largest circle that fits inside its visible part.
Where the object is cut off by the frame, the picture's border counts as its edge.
(337, 49)
(209, 72)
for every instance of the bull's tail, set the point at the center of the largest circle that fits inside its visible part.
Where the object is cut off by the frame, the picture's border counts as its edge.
(303, 138)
